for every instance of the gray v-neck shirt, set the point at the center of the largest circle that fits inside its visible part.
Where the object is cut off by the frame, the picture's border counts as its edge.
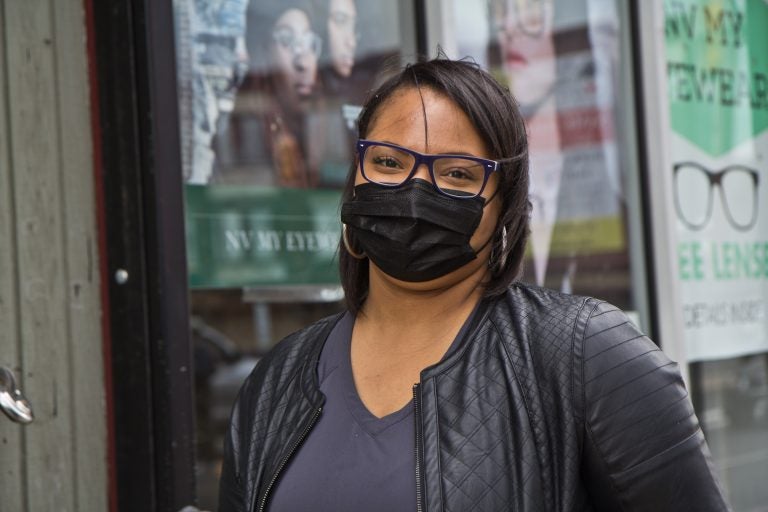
(351, 460)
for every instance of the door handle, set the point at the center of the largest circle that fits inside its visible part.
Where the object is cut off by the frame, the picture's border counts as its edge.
(12, 402)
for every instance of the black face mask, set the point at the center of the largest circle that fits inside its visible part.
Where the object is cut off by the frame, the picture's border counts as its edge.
(413, 233)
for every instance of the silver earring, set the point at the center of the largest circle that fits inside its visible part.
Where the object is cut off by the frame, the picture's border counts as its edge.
(501, 258)
(503, 239)
(356, 255)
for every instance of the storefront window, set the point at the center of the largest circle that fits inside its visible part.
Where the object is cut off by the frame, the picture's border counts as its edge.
(561, 61)
(269, 94)
(717, 78)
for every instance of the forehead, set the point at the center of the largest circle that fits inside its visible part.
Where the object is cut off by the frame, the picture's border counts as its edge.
(518, 6)
(429, 122)
(293, 19)
(345, 6)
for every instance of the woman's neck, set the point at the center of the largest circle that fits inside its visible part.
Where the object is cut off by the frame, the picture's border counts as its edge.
(411, 321)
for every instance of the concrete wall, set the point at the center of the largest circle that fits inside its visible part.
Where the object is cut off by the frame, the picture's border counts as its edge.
(50, 333)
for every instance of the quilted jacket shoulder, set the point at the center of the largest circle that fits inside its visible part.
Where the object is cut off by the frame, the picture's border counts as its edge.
(559, 403)
(500, 414)
(643, 446)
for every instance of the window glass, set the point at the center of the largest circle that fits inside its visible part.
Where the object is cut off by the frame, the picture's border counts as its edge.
(561, 61)
(717, 79)
(269, 94)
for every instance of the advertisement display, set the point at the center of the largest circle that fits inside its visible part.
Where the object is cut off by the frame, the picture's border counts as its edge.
(560, 61)
(717, 74)
(270, 91)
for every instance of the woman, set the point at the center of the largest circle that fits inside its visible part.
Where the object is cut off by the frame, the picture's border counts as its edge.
(447, 385)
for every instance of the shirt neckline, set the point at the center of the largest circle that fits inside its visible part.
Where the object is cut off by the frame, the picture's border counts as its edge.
(367, 421)
(360, 413)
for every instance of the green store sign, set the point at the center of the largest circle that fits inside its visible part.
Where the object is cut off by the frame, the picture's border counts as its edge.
(717, 66)
(244, 236)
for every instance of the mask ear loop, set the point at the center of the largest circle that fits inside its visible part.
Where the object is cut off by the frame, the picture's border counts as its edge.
(348, 246)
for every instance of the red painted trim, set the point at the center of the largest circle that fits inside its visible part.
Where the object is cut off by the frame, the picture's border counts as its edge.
(101, 223)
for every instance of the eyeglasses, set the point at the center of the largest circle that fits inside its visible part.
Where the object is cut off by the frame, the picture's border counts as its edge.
(459, 176)
(694, 186)
(529, 15)
(306, 42)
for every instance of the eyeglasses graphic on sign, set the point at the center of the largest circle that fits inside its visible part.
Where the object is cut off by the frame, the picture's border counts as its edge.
(694, 193)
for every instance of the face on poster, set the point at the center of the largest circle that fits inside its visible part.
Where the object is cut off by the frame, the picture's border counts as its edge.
(718, 92)
(342, 36)
(523, 32)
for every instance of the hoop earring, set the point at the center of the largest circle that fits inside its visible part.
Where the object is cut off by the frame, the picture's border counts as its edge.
(499, 259)
(348, 246)
(503, 239)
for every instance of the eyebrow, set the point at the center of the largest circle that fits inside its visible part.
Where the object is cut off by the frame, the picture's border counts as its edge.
(454, 153)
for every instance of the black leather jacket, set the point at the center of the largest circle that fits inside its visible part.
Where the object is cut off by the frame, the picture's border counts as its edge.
(551, 403)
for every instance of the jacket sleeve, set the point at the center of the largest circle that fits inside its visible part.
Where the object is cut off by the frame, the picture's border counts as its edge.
(643, 449)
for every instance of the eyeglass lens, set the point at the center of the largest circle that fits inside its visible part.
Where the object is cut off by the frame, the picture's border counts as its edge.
(694, 195)
(454, 175)
(737, 189)
(297, 43)
(530, 14)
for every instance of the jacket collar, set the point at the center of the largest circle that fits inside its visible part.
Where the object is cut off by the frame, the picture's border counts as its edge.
(310, 384)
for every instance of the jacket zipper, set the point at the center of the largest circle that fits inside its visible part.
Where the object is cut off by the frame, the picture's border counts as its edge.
(417, 421)
(304, 433)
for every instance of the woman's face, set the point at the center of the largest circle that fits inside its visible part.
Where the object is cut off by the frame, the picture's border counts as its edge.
(524, 36)
(295, 48)
(342, 40)
(401, 120)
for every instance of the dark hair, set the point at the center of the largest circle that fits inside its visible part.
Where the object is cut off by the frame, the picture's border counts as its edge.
(495, 115)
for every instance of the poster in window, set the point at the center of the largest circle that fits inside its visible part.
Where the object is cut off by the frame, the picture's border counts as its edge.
(270, 92)
(560, 61)
(717, 78)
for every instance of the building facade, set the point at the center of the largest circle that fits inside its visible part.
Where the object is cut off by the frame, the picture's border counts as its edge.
(170, 175)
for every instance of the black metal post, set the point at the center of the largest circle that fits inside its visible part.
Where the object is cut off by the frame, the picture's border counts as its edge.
(151, 351)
